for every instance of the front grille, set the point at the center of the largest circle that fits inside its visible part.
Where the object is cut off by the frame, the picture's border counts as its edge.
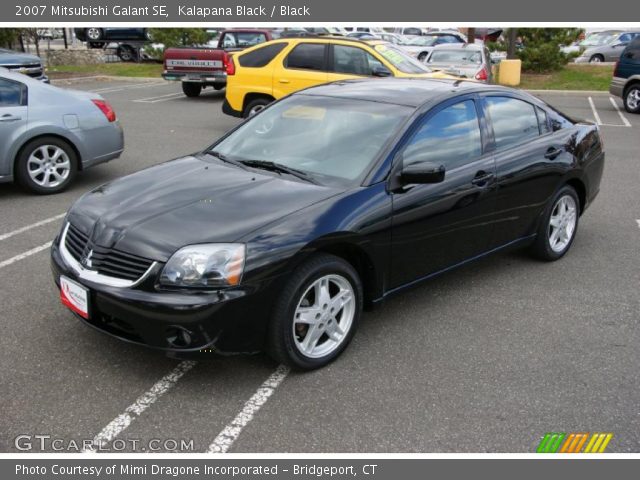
(32, 69)
(106, 261)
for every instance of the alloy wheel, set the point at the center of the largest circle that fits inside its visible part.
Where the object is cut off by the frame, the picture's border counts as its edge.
(633, 99)
(256, 109)
(48, 166)
(324, 316)
(93, 33)
(562, 223)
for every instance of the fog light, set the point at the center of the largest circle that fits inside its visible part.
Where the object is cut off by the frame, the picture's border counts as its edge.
(178, 337)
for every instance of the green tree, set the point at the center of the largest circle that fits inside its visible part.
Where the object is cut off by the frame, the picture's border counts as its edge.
(9, 37)
(540, 51)
(179, 37)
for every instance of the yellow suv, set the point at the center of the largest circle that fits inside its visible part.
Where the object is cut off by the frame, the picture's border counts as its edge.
(269, 71)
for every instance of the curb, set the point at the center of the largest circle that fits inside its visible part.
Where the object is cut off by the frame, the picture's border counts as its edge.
(571, 92)
(107, 77)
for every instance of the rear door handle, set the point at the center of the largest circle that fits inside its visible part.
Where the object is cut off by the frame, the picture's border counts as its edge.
(552, 153)
(482, 178)
(284, 80)
(9, 118)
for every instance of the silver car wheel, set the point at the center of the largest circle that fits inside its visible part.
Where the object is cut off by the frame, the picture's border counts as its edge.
(93, 33)
(595, 59)
(48, 166)
(633, 99)
(562, 223)
(324, 316)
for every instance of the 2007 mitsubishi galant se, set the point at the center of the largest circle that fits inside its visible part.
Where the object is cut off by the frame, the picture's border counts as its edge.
(327, 201)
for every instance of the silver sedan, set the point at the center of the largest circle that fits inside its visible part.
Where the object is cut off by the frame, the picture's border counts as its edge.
(48, 134)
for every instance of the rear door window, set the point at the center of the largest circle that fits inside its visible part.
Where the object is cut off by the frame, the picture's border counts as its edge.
(11, 93)
(353, 60)
(514, 121)
(307, 56)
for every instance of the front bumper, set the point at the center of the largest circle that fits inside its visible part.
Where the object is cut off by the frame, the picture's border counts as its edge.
(178, 323)
(617, 86)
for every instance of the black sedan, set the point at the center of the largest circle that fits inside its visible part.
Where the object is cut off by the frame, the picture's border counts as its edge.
(328, 201)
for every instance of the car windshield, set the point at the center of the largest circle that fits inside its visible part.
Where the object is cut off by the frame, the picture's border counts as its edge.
(242, 39)
(333, 140)
(425, 41)
(598, 39)
(401, 60)
(458, 57)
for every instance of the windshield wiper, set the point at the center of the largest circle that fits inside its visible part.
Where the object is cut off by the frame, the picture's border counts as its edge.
(278, 167)
(225, 159)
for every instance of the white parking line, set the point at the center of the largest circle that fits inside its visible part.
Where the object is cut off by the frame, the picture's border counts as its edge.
(22, 256)
(4, 236)
(159, 98)
(232, 431)
(122, 421)
(638, 220)
(134, 86)
(622, 117)
(595, 112)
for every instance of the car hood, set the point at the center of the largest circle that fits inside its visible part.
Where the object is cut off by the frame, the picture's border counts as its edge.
(9, 57)
(187, 201)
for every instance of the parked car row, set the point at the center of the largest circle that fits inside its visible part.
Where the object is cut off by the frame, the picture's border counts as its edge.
(605, 46)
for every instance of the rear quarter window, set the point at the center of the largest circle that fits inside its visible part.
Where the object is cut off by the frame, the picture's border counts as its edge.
(261, 56)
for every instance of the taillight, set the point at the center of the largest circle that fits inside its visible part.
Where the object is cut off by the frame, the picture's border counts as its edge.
(228, 63)
(106, 109)
(482, 74)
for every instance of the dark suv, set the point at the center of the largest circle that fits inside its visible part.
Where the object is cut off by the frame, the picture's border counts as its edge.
(626, 77)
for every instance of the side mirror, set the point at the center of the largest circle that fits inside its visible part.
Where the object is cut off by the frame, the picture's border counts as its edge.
(381, 71)
(422, 172)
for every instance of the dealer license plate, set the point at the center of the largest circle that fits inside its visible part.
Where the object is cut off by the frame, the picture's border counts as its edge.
(74, 296)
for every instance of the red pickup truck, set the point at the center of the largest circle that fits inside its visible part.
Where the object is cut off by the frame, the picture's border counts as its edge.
(205, 66)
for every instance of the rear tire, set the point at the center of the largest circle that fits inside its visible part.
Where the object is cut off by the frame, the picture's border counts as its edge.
(126, 53)
(93, 34)
(558, 226)
(191, 89)
(46, 165)
(316, 314)
(255, 106)
(632, 99)
(596, 58)
(422, 57)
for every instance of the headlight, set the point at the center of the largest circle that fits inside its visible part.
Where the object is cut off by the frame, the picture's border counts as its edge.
(206, 265)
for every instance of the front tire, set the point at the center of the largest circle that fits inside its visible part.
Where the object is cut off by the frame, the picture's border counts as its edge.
(632, 99)
(191, 89)
(46, 165)
(596, 58)
(317, 313)
(559, 225)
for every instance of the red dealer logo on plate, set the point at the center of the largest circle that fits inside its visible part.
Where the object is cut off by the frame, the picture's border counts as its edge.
(74, 297)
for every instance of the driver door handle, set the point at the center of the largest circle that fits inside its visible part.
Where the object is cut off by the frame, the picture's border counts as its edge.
(7, 117)
(482, 178)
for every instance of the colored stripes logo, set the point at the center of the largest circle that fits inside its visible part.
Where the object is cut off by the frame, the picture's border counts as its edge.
(573, 442)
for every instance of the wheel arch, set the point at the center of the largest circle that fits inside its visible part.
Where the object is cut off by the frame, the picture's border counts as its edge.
(250, 97)
(349, 248)
(581, 189)
(25, 141)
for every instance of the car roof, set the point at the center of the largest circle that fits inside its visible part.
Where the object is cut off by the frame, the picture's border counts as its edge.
(458, 46)
(411, 92)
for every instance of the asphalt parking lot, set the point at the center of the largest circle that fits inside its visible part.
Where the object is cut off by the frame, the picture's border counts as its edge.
(487, 358)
